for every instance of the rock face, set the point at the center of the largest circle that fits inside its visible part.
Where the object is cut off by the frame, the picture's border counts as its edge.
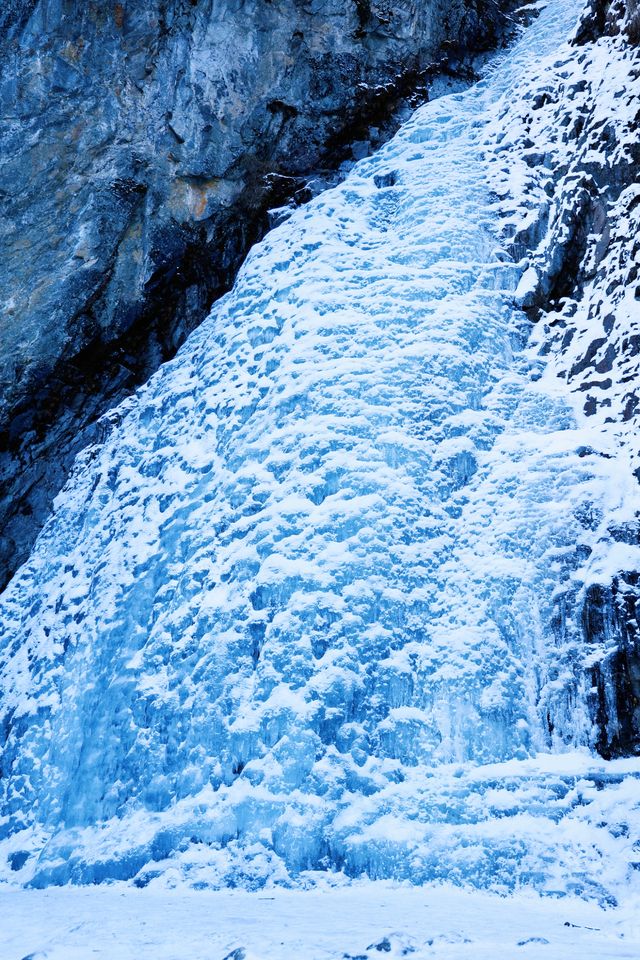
(141, 144)
(571, 155)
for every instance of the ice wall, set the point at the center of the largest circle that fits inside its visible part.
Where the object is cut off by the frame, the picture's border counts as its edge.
(296, 613)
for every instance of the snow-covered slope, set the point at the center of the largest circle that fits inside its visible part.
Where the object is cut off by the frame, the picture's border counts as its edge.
(306, 607)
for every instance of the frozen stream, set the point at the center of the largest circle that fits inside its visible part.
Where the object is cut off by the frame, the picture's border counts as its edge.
(297, 613)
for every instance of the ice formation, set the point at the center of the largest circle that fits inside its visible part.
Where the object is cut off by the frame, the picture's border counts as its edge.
(298, 612)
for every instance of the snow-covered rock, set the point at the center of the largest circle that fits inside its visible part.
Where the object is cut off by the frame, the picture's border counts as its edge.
(565, 151)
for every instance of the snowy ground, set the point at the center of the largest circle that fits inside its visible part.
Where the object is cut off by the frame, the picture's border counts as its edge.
(363, 921)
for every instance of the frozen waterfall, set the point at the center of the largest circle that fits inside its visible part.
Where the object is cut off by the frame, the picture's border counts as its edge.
(300, 611)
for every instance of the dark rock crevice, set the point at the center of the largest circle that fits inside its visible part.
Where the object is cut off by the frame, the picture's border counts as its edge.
(610, 620)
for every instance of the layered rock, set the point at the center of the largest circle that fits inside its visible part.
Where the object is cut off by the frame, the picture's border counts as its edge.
(141, 144)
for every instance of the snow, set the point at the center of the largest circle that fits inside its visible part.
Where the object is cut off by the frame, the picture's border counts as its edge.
(370, 920)
(294, 620)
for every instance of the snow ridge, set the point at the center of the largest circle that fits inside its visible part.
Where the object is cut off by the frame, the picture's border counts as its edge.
(297, 612)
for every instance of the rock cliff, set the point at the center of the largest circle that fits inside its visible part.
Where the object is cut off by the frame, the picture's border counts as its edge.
(141, 144)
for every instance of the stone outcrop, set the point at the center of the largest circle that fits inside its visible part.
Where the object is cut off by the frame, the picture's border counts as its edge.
(141, 144)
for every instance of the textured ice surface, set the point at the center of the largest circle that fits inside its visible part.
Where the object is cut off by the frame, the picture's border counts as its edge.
(297, 612)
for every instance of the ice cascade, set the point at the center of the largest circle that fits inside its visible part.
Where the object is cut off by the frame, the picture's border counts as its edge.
(299, 611)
